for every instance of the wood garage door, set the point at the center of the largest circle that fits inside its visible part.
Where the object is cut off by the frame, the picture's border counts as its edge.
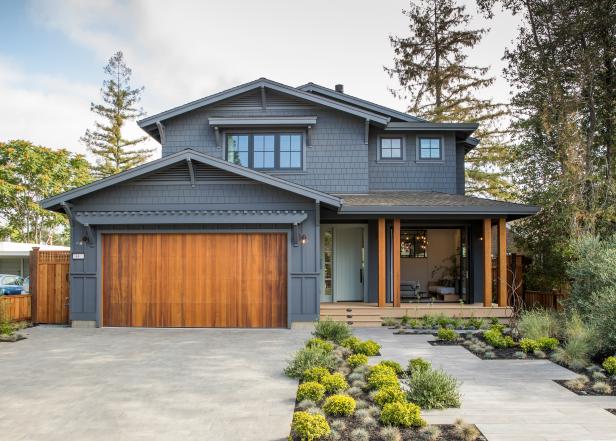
(195, 280)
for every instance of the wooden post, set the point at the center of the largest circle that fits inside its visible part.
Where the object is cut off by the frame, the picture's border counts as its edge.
(487, 262)
(502, 262)
(395, 253)
(382, 282)
(33, 264)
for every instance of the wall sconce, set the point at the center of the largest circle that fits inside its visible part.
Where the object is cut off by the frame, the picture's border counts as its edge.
(303, 239)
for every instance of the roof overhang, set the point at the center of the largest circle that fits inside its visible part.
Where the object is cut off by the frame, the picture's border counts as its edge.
(55, 203)
(263, 121)
(428, 211)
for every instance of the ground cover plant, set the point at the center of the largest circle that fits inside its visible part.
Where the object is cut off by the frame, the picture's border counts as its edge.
(8, 329)
(407, 324)
(354, 400)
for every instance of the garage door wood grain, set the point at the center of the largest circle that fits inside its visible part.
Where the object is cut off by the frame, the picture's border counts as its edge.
(195, 280)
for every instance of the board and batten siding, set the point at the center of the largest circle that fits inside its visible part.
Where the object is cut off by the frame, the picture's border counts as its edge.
(148, 194)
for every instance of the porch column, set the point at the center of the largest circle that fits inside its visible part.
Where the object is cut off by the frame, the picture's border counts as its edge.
(502, 262)
(382, 282)
(487, 262)
(396, 262)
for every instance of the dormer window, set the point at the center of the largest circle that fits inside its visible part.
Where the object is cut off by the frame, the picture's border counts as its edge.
(267, 151)
(429, 148)
(391, 148)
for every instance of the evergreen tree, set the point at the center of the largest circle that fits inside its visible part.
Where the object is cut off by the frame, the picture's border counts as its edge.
(431, 67)
(113, 152)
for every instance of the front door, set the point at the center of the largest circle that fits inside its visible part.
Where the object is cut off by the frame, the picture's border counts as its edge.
(342, 263)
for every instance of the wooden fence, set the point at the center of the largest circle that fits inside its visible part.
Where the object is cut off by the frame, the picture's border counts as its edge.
(49, 286)
(542, 299)
(16, 308)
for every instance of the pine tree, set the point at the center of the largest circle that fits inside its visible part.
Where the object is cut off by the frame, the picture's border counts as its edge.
(113, 152)
(431, 67)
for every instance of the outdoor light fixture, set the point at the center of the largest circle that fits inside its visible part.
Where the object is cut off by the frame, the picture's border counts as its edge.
(303, 239)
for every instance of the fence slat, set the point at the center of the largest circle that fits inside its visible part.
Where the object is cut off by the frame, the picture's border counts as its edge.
(16, 307)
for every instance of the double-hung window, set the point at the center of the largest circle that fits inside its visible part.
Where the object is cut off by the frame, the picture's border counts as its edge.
(271, 151)
(430, 148)
(391, 148)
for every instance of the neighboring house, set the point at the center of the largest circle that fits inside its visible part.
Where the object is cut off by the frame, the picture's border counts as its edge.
(270, 200)
(15, 256)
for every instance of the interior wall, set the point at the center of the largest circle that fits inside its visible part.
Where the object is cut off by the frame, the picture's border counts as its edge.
(442, 244)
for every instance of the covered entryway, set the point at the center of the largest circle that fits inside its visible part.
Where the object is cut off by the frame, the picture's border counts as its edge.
(195, 280)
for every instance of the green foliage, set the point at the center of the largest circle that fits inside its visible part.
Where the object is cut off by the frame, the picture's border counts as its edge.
(315, 374)
(390, 321)
(308, 358)
(309, 427)
(381, 376)
(320, 343)
(29, 173)
(609, 364)
(368, 347)
(547, 343)
(433, 389)
(529, 345)
(334, 383)
(392, 364)
(538, 323)
(495, 337)
(402, 414)
(350, 343)
(602, 319)
(419, 365)
(389, 394)
(473, 323)
(580, 343)
(6, 327)
(115, 153)
(357, 360)
(310, 390)
(339, 405)
(447, 334)
(332, 330)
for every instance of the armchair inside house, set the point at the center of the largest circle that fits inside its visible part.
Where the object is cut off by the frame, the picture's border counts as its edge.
(410, 290)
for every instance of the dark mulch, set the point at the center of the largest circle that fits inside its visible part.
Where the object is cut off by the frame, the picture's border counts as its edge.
(502, 353)
(588, 389)
(444, 343)
(612, 411)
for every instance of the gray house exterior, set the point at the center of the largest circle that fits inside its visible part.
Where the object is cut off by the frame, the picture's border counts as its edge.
(347, 182)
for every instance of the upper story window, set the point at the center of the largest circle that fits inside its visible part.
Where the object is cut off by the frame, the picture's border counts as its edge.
(271, 151)
(391, 148)
(430, 148)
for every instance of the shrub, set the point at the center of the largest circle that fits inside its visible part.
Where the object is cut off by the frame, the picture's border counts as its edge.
(320, 343)
(329, 329)
(368, 347)
(339, 405)
(547, 343)
(402, 414)
(315, 374)
(609, 364)
(306, 404)
(419, 364)
(528, 345)
(381, 376)
(357, 360)
(598, 376)
(430, 433)
(602, 319)
(575, 352)
(338, 425)
(578, 383)
(519, 354)
(309, 427)
(350, 343)
(334, 383)
(539, 353)
(473, 323)
(433, 389)
(308, 358)
(355, 391)
(447, 334)
(602, 388)
(389, 321)
(465, 432)
(392, 364)
(538, 323)
(489, 355)
(494, 336)
(368, 422)
(388, 394)
(391, 433)
(360, 434)
(310, 390)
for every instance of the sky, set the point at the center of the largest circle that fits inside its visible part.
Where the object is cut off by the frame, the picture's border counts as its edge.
(52, 54)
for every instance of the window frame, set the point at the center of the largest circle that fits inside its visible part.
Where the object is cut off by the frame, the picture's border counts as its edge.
(379, 146)
(264, 132)
(441, 157)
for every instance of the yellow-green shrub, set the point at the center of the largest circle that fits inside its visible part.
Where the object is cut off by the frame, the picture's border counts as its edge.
(402, 414)
(339, 405)
(389, 394)
(529, 345)
(315, 374)
(368, 347)
(419, 364)
(320, 343)
(311, 390)
(350, 343)
(392, 364)
(357, 360)
(381, 376)
(447, 334)
(334, 383)
(547, 343)
(494, 336)
(309, 427)
(609, 364)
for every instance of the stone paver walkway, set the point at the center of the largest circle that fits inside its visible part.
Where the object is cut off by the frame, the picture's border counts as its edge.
(507, 399)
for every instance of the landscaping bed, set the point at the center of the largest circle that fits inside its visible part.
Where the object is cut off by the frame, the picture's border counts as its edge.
(612, 411)
(342, 397)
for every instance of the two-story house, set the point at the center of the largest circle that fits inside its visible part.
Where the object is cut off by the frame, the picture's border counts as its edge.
(272, 203)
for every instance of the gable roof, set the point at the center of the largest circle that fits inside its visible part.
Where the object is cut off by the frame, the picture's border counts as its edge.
(54, 203)
(353, 100)
(149, 123)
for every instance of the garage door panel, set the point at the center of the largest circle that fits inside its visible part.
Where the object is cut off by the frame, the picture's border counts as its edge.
(195, 280)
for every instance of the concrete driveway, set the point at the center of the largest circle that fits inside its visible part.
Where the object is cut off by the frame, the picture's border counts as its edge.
(147, 384)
